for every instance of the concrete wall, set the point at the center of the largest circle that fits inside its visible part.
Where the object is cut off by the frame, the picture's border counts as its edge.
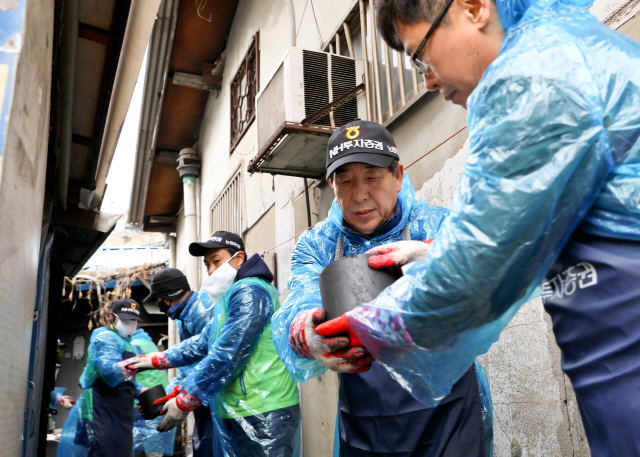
(21, 206)
(535, 412)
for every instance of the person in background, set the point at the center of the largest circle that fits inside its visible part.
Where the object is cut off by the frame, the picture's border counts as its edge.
(100, 424)
(374, 206)
(192, 310)
(147, 440)
(253, 399)
(549, 193)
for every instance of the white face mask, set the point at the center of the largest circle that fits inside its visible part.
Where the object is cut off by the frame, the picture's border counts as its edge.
(126, 328)
(220, 280)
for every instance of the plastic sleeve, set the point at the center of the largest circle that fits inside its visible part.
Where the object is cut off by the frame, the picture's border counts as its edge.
(250, 308)
(304, 287)
(107, 354)
(539, 157)
(191, 350)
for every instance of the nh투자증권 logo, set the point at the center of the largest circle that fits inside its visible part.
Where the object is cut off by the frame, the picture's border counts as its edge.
(353, 132)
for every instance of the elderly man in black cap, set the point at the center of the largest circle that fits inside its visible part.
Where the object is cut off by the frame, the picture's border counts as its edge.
(192, 310)
(374, 206)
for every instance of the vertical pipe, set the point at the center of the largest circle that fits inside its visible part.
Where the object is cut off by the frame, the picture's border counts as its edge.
(387, 71)
(347, 36)
(292, 22)
(338, 44)
(376, 70)
(403, 96)
(306, 196)
(365, 60)
(172, 340)
(331, 48)
(190, 228)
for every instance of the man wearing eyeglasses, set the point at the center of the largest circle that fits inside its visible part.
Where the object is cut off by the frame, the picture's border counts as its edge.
(550, 193)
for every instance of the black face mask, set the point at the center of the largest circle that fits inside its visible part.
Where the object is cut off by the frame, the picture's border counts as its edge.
(163, 306)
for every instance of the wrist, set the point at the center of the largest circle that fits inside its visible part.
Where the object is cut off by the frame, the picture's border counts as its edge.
(160, 361)
(187, 402)
(297, 337)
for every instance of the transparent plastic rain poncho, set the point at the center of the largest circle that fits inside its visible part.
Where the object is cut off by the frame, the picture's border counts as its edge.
(146, 437)
(105, 350)
(554, 126)
(253, 400)
(192, 319)
(316, 249)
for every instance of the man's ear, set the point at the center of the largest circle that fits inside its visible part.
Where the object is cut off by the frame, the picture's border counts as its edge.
(399, 176)
(477, 11)
(239, 260)
(331, 185)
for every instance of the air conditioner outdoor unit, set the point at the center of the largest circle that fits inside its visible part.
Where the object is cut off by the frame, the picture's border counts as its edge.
(303, 83)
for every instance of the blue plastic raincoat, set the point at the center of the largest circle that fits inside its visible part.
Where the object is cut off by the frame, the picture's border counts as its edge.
(253, 400)
(191, 317)
(373, 401)
(101, 421)
(146, 437)
(190, 320)
(554, 127)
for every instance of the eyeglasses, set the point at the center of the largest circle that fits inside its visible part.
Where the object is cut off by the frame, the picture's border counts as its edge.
(420, 65)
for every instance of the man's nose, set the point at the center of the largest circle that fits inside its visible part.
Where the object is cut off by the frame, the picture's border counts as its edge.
(360, 193)
(431, 82)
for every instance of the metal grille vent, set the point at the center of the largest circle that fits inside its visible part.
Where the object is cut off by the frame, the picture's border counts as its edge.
(271, 110)
(226, 211)
(315, 70)
(343, 79)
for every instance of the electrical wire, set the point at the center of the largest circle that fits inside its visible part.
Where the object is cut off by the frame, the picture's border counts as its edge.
(301, 18)
(316, 19)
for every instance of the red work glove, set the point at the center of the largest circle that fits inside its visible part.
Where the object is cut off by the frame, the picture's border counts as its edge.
(398, 253)
(174, 393)
(335, 352)
(341, 325)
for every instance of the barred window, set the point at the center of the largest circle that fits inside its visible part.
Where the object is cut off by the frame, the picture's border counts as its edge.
(243, 92)
(226, 211)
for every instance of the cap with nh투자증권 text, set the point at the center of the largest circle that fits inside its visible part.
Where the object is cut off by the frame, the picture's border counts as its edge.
(217, 240)
(126, 309)
(361, 142)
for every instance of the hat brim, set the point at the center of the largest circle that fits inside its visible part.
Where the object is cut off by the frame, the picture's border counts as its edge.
(200, 249)
(370, 158)
(128, 317)
(150, 299)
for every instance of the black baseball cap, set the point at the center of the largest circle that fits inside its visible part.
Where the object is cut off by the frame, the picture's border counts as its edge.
(169, 283)
(362, 142)
(126, 309)
(219, 239)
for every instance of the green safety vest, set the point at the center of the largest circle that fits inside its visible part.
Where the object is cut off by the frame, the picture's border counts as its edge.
(264, 384)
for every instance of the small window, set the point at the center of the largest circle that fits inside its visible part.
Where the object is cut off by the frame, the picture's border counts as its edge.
(226, 211)
(243, 93)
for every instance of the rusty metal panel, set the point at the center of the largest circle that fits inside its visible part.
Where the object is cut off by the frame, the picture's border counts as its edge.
(165, 190)
(201, 33)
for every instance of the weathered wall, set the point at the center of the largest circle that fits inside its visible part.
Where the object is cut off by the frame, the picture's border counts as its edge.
(21, 204)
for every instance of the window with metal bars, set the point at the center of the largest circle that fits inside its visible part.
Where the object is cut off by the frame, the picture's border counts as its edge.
(226, 211)
(391, 82)
(244, 88)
